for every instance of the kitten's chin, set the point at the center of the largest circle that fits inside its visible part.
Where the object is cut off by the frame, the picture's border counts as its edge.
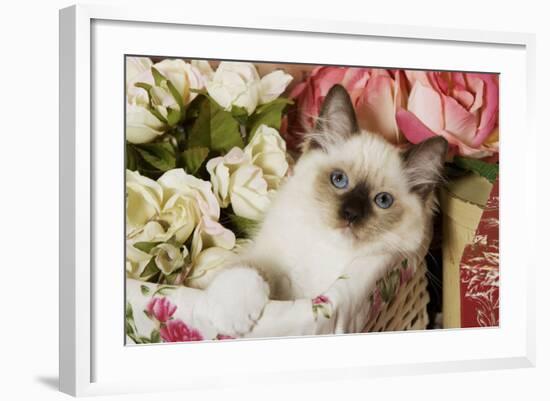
(347, 231)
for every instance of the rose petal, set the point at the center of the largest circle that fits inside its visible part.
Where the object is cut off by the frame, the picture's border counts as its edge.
(376, 108)
(425, 103)
(413, 129)
(489, 110)
(458, 121)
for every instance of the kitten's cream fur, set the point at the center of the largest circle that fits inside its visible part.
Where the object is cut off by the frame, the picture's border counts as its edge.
(303, 245)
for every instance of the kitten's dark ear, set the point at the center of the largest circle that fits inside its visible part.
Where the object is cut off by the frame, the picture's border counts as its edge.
(337, 118)
(424, 164)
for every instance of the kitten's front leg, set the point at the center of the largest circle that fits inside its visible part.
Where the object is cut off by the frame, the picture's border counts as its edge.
(235, 299)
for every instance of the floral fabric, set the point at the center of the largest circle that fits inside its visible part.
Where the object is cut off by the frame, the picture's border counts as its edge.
(167, 313)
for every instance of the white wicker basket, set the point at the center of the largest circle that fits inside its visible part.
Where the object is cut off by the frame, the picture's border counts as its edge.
(407, 310)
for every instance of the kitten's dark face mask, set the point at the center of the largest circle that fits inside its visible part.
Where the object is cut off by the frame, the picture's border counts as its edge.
(365, 183)
(352, 204)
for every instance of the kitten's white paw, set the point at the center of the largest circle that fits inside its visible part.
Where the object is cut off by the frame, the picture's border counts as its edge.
(235, 300)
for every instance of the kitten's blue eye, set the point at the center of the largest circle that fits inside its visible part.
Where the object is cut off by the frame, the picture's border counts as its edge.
(383, 200)
(339, 179)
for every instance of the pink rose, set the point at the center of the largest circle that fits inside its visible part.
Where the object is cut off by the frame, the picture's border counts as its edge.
(462, 107)
(176, 331)
(309, 95)
(375, 93)
(161, 309)
(320, 299)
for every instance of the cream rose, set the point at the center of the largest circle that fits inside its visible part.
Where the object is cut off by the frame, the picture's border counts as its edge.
(204, 68)
(221, 168)
(267, 150)
(238, 84)
(178, 182)
(206, 263)
(135, 66)
(183, 76)
(144, 198)
(249, 192)
(210, 233)
(169, 258)
(272, 85)
(142, 125)
(238, 182)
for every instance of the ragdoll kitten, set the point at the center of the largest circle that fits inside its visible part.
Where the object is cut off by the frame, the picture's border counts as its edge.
(351, 194)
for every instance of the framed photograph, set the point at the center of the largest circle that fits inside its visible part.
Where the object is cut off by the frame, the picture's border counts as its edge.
(235, 197)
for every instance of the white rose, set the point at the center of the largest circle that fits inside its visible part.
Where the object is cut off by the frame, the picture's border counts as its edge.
(143, 200)
(141, 125)
(235, 84)
(267, 150)
(169, 258)
(238, 84)
(135, 66)
(272, 85)
(237, 181)
(136, 259)
(221, 168)
(180, 215)
(248, 192)
(210, 233)
(163, 101)
(183, 76)
(177, 181)
(204, 68)
(206, 262)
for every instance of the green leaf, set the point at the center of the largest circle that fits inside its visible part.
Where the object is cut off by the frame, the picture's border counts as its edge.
(194, 158)
(155, 336)
(131, 158)
(240, 114)
(243, 226)
(199, 134)
(199, 91)
(174, 116)
(133, 338)
(129, 311)
(214, 128)
(129, 329)
(146, 246)
(150, 270)
(164, 290)
(224, 130)
(176, 95)
(269, 114)
(157, 114)
(144, 85)
(488, 171)
(160, 155)
(144, 289)
(157, 76)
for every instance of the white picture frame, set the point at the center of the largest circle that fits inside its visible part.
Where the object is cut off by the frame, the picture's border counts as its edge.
(92, 363)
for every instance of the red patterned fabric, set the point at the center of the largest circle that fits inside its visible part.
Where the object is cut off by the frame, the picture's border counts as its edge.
(479, 270)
